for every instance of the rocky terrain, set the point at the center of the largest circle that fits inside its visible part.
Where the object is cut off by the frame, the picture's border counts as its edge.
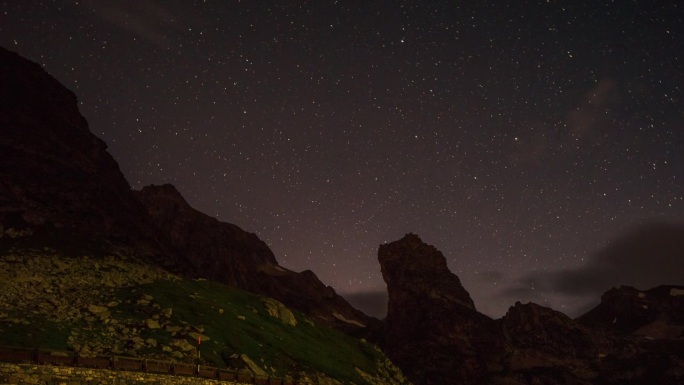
(82, 290)
(656, 313)
(89, 265)
(59, 184)
(117, 305)
(225, 253)
(121, 257)
(434, 333)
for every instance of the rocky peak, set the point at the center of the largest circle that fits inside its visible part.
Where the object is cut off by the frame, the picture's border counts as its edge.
(56, 177)
(216, 249)
(432, 329)
(414, 269)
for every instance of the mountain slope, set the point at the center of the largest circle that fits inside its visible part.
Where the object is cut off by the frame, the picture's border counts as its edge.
(117, 305)
(56, 178)
(58, 183)
(225, 253)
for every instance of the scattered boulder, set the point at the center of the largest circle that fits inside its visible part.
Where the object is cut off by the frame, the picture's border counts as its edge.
(248, 363)
(196, 336)
(152, 324)
(95, 309)
(278, 310)
(183, 345)
(172, 328)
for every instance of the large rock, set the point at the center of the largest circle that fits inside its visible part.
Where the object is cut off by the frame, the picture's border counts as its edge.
(433, 332)
(277, 310)
(414, 270)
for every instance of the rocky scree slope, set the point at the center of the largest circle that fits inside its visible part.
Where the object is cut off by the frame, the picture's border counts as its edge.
(116, 305)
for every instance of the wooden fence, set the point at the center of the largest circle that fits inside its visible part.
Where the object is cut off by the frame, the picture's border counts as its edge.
(64, 358)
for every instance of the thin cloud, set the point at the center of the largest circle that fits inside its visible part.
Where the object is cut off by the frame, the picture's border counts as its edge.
(151, 21)
(645, 257)
(586, 122)
(373, 303)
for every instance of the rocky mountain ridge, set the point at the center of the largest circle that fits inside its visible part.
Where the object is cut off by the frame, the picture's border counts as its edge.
(59, 187)
(655, 313)
(57, 182)
(436, 336)
(225, 253)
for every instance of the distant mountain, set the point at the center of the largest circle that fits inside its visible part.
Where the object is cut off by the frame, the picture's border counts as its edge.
(58, 184)
(656, 313)
(436, 336)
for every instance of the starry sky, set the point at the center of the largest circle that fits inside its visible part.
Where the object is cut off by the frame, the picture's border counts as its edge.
(518, 137)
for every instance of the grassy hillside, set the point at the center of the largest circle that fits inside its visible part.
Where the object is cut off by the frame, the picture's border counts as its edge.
(113, 304)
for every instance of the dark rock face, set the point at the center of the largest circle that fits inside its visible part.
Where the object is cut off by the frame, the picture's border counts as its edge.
(413, 270)
(48, 152)
(217, 251)
(656, 313)
(225, 253)
(545, 345)
(432, 330)
(55, 175)
(549, 331)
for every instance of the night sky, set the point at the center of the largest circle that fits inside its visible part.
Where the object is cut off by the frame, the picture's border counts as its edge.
(518, 137)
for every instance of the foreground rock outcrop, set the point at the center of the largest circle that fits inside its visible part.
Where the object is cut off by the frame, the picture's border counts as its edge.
(433, 331)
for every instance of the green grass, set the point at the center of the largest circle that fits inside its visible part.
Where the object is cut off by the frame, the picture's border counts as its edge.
(265, 339)
(242, 327)
(39, 332)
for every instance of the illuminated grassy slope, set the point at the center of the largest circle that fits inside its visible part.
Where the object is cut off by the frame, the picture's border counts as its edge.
(113, 304)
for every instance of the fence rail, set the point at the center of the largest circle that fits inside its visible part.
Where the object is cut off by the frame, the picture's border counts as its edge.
(11, 354)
